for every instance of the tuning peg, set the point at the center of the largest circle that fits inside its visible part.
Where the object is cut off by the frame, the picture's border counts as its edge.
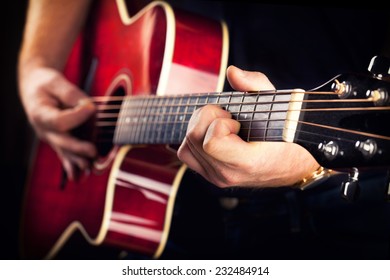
(368, 148)
(350, 188)
(380, 67)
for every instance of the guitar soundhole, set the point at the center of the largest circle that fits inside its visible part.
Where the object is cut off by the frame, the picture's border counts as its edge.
(106, 120)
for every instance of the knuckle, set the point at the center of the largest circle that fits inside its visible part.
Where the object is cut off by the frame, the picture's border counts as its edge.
(193, 134)
(210, 146)
(58, 125)
(226, 178)
(34, 118)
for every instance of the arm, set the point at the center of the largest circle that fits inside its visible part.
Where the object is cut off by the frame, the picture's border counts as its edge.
(213, 149)
(53, 105)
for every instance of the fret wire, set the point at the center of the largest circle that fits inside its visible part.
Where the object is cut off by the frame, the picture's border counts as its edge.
(160, 108)
(240, 108)
(182, 120)
(170, 128)
(147, 118)
(186, 114)
(173, 134)
(269, 116)
(218, 100)
(163, 116)
(176, 127)
(251, 120)
(130, 129)
(118, 128)
(166, 122)
(145, 125)
(154, 129)
(136, 119)
(142, 122)
(229, 103)
(167, 128)
(139, 123)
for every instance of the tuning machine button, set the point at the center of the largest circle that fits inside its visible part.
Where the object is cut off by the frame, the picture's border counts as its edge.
(350, 188)
(368, 148)
(380, 67)
(330, 149)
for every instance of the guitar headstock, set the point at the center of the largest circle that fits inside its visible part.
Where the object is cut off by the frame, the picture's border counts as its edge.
(346, 122)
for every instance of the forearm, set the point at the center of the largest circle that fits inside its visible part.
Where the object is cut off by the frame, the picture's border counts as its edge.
(50, 30)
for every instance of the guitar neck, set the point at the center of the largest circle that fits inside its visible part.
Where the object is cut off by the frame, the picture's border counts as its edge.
(164, 119)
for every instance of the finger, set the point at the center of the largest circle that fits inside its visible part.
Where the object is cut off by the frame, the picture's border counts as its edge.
(200, 122)
(71, 144)
(221, 136)
(81, 162)
(186, 155)
(73, 164)
(247, 80)
(68, 107)
(66, 92)
(196, 161)
(69, 168)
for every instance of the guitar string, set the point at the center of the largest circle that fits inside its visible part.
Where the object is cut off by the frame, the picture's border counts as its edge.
(123, 115)
(215, 95)
(108, 98)
(174, 122)
(229, 95)
(355, 132)
(271, 138)
(146, 98)
(117, 107)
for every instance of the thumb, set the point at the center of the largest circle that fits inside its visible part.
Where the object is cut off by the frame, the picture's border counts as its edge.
(65, 91)
(247, 80)
(74, 107)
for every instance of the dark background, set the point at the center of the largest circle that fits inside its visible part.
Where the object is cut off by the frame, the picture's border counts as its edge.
(17, 137)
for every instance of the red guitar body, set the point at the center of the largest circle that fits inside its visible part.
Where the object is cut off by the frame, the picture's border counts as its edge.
(128, 197)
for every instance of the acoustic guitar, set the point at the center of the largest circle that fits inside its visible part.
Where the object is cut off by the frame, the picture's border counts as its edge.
(146, 85)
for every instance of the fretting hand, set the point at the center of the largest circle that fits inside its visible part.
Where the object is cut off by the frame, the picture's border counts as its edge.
(213, 149)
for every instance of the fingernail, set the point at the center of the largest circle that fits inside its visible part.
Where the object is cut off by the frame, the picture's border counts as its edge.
(86, 103)
(241, 72)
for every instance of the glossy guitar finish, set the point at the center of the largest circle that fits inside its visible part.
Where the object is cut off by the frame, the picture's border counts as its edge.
(127, 198)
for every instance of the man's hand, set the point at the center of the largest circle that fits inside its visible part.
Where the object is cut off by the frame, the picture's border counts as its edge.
(213, 149)
(54, 106)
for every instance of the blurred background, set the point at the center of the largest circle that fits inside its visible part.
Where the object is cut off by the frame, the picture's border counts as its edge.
(16, 136)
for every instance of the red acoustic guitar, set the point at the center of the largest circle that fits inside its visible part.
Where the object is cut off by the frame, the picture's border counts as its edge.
(142, 84)
(128, 197)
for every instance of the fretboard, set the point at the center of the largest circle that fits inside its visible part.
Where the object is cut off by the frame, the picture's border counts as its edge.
(164, 119)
